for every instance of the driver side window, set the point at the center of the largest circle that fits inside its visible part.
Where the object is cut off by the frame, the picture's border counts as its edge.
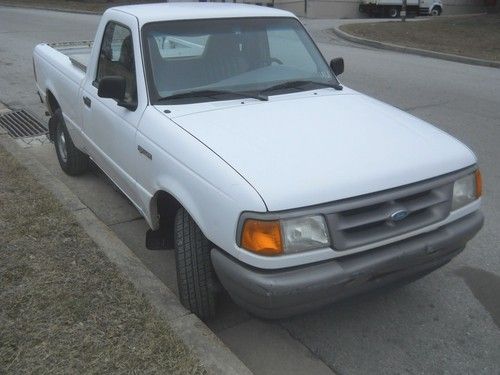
(116, 58)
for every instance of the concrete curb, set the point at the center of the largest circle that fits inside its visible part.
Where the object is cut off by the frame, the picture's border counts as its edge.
(416, 51)
(212, 353)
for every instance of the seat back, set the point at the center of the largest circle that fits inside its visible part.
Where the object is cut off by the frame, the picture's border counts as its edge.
(223, 57)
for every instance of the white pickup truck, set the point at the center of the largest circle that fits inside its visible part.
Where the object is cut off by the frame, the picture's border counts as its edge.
(227, 129)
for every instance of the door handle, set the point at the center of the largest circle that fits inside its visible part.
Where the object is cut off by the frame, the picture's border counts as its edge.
(87, 101)
(144, 152)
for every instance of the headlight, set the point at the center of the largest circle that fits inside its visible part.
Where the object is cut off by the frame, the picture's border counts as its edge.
(304, 233)
(466, 190)
(286, 236)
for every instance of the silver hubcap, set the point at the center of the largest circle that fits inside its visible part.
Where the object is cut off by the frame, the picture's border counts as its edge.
(61, 145)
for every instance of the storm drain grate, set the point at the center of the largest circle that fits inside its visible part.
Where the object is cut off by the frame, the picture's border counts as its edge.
(20, 124)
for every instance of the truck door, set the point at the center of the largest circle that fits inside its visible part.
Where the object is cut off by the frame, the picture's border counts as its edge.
(109, 128)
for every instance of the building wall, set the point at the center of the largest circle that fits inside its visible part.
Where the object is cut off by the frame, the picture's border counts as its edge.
(463, 6)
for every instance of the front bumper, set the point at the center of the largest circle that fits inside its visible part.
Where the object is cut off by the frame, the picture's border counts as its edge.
(285, 292)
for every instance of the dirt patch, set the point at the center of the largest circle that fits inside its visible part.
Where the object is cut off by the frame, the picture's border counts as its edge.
(64, 307)
(472, 36)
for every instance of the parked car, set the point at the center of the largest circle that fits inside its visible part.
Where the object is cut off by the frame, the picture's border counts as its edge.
(392, 8)
(230, 133)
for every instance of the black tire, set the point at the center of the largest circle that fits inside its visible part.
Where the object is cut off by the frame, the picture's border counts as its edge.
(393, 12)
(196, 278)
(436, 11)
(72, 160)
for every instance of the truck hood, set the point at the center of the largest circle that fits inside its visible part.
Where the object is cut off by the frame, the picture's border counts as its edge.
(302, 150)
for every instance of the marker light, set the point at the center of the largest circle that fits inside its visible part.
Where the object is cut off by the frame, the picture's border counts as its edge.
(262, 237)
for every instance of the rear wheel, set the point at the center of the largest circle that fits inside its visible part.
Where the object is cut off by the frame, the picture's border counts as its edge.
(72, 160)
(393, 12)
(196, 278)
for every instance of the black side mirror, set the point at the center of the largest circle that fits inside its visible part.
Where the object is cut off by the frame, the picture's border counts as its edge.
(337, 66)
(113, 87)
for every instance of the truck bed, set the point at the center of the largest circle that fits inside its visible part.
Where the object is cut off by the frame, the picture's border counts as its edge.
(78, 52)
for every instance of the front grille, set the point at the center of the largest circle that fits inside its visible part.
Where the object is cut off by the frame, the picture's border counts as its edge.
(367, 219)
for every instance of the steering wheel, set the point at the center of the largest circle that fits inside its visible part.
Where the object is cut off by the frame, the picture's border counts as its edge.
(276, 60)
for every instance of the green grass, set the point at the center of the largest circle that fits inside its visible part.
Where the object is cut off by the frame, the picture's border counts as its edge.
(64, 307)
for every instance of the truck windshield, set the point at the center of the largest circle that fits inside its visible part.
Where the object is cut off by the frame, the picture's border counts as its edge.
(238, 55)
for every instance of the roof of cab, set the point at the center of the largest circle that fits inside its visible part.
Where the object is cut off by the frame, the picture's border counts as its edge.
(146, 13)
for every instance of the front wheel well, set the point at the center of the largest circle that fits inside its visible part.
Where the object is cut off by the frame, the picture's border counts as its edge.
(164, 207)
(53, 106)
(52, 103)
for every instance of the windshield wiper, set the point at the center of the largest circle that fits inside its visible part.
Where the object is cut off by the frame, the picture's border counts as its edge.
(300, 83)
(211, 93)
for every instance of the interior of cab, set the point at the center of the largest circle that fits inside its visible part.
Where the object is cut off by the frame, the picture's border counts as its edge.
(224, 56)
(228, 54)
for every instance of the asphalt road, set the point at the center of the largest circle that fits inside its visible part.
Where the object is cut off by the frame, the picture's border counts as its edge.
(448, 322)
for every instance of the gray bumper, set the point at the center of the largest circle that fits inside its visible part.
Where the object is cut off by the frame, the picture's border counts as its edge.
(280, 293)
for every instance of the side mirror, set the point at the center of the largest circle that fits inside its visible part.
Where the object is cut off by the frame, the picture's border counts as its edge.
(337, 66)
(113, 87)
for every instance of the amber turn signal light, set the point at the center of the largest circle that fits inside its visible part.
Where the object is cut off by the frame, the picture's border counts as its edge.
(262, 237)
(479, 183)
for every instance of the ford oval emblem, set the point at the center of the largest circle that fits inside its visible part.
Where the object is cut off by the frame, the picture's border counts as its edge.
(399, 215)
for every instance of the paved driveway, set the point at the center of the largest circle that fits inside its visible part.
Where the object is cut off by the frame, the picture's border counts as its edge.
(447, 322)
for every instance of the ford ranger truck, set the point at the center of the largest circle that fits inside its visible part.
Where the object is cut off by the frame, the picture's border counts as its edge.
(233, 137)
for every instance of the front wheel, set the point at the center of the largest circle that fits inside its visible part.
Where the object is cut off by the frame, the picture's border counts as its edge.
(72, 160)
(196, 278)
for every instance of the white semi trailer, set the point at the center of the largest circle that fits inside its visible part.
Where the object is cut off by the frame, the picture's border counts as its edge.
(392, 8)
